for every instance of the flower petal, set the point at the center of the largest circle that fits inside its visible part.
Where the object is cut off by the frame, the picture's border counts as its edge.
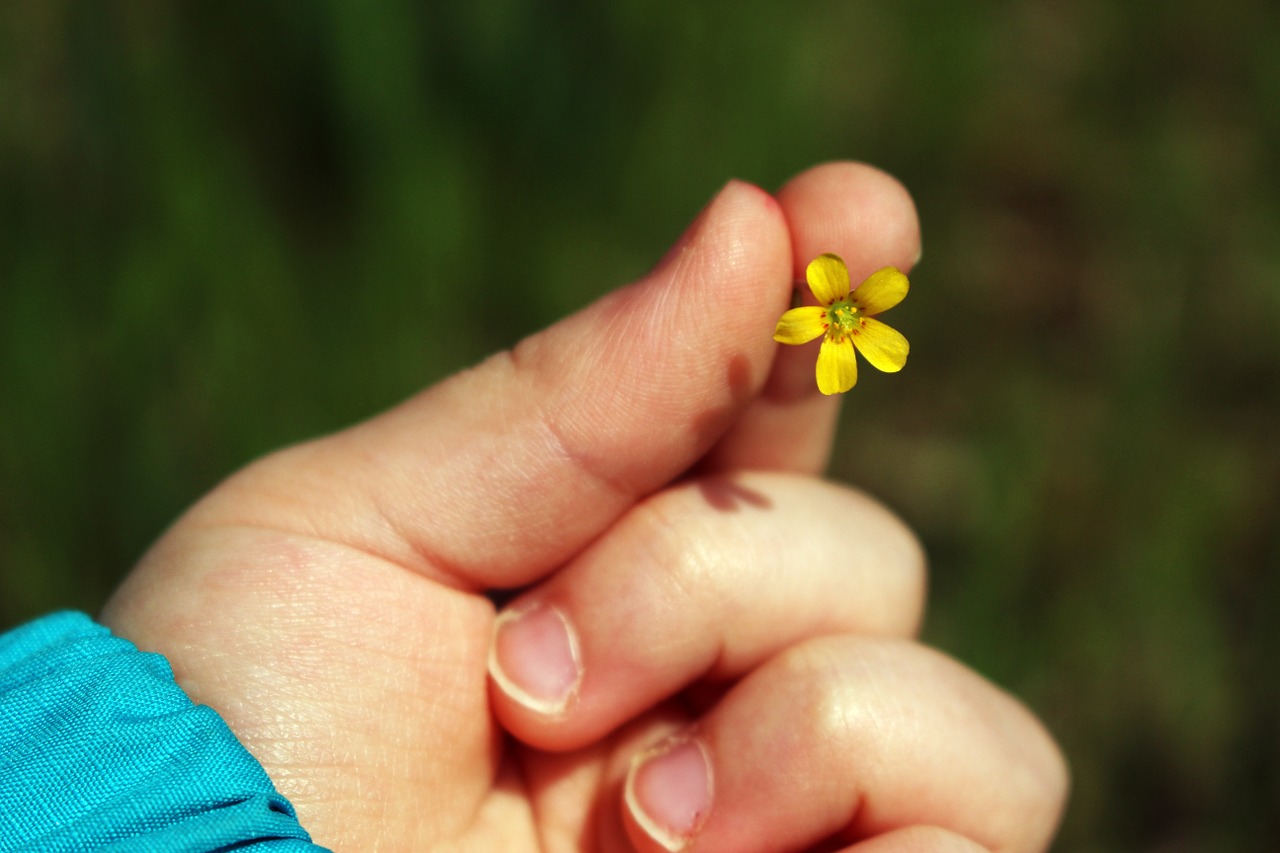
(882, 345)
(828, 278)
(837, 366)
(882, 290)
(801, 325)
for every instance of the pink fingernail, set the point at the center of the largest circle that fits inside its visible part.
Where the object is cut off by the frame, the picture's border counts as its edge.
(669, 790)
(534, 658)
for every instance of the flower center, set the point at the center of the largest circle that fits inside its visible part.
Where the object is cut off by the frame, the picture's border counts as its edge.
(843, 319)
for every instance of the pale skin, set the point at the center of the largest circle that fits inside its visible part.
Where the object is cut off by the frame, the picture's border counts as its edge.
(647, 471)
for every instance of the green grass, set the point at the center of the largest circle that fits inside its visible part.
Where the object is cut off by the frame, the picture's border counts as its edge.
(226, 227)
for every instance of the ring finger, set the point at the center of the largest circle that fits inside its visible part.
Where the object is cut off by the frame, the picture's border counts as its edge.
(849, 739)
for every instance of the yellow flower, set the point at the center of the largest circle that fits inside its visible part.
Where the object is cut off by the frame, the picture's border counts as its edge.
(846, 321)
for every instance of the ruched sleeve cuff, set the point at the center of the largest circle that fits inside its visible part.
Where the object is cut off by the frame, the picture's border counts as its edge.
(101, 750)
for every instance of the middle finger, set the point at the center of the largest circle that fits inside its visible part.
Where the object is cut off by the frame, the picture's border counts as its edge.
(702, 581)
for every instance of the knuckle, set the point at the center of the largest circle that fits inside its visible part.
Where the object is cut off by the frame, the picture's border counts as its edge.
(897, 556)
(827, 687)
(676, 553)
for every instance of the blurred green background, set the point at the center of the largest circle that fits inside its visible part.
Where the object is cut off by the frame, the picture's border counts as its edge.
(229, 226)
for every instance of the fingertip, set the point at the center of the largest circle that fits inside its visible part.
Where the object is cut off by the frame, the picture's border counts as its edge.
(739, 247)
(668, 793)
(857, 211)
(687, 347)
(535, 660)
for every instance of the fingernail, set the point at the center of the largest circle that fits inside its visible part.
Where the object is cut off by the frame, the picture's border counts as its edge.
(669, 790)
(534, 658)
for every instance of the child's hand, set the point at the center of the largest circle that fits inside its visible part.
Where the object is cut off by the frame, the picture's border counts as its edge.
(722, 658)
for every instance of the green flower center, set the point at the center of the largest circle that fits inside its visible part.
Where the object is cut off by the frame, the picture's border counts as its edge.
(843, 319)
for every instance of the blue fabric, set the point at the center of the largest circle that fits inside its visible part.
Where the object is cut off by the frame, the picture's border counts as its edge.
(101, 750)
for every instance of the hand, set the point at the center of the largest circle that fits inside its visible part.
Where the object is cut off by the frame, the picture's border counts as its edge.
(644, 471)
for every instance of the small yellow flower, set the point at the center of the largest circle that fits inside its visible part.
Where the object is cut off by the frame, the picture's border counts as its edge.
(846, 320)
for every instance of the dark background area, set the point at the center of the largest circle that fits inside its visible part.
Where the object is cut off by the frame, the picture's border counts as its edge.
(225, 227)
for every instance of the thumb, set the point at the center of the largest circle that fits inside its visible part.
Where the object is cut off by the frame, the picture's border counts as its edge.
(494, 477)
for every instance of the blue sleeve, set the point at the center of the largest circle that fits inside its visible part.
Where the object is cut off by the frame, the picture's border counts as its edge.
(101, 750)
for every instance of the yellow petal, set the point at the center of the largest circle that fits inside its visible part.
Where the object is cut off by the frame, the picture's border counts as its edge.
(883, 346)
(801, 325)
(837, 367)
(828, 278)
(882, 290)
